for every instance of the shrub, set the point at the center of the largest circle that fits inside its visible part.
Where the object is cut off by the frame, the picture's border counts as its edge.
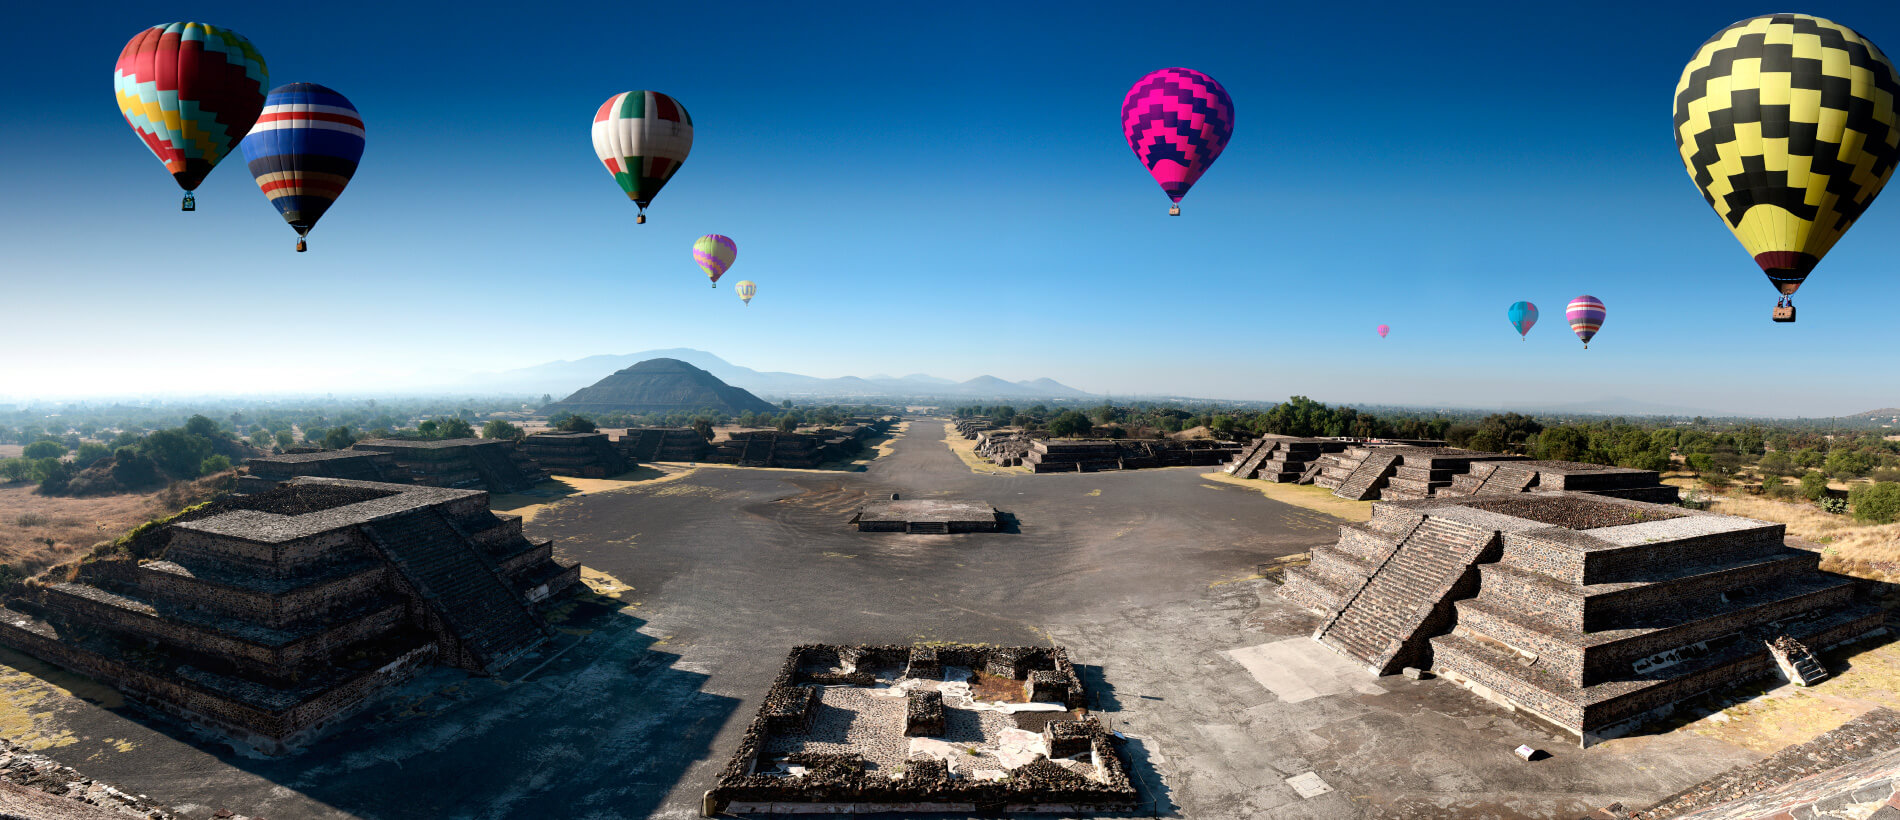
(44, 448)
(499, 429)
(1813, 485)
(1835, 506)
(214, 464)
(1877, 503)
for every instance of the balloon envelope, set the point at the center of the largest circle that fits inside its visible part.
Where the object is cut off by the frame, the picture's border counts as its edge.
(642, 137)
(190, 91)
(747, 290)
(1586, 317)
(1383, 329)
(304, 150)
(715, 253)
(1177, 121)
(1786, 123)
(1523, 316)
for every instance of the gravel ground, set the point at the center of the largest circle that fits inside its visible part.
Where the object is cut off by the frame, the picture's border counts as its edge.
(849, 719)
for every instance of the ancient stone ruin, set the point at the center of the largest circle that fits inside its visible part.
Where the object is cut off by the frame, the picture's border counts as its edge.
(663, 444)
(587, 455)
(1004, 448)
(1369, 471)
(968, 428)
(857, 729)
(1096, 455)
(266, 472)
(283, 612)
(1283, 459)
(495, 465)
(928, 516)
(1591, 613)
(770, 448)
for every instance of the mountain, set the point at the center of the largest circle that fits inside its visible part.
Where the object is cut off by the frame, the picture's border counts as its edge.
(660, 386)
(1874, 415)
(557, 378)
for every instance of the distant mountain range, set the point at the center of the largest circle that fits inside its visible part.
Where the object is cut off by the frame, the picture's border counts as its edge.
(564, 377)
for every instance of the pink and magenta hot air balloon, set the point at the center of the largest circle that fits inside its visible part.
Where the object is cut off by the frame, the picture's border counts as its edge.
(1177, 120)
(1586, 314)
(1383, 329)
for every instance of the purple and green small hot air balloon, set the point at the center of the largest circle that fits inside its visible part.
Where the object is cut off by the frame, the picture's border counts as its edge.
(1586, 314)
(1523, 316)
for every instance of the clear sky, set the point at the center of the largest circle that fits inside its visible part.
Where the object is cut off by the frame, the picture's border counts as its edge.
(938, 188)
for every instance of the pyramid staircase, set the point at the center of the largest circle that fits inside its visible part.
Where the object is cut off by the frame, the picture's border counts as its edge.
(1388, 622)
(1368, 477)
(493, 625)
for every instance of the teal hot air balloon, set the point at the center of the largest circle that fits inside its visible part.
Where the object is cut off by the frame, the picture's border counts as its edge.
(1523, 316)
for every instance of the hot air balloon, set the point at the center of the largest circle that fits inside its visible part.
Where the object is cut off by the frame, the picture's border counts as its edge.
(642, 137)
(715, 254)
(1586, 317)
(1177, 120)
(1786, 123)
(190, 91)
(1383, 329)
(1523, 316)
(747, 290)
(303, 150)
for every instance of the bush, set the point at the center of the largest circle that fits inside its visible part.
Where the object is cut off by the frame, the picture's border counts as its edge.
(1877, 503)
(214, 464)
(499, 429)
(1813, 486)
(570, 423)
(1070, 423)
(1836, 506)
(90, 453)
(44, 448)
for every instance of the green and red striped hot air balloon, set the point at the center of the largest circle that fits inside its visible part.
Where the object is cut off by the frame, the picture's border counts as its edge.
(642, 137)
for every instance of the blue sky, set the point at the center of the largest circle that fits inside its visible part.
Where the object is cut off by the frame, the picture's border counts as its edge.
(938, 189)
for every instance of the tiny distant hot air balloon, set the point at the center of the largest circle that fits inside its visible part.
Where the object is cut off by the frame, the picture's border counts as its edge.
(1383, 329)
(1786, 123)
(642, 137)
(1177, 120)
(1523, 316)
(303, 151)
(715, 253)
(190, 91)
(1586, 317)
(746, 291)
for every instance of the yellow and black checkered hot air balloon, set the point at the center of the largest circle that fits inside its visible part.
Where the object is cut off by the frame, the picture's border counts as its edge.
(1786, 122)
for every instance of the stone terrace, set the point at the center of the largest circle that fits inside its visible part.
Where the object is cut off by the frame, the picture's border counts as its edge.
(663, 444)
(1496, 478)
(1590, 613)
(1281, 459)
(588, 455)
(491, 464)
(927, 516)
(272, 621)
(267, 472)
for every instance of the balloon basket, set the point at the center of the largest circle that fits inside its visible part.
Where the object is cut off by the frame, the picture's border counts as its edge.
(1784, 313)
(190, 203)
(1174, 210)
(301, 247)
(640, 220)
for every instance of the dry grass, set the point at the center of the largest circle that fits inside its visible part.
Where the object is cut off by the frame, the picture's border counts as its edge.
(965, 449)
(11, 450)
(1310, 496)
(560, 488)
(1848, 546)
(39, 531)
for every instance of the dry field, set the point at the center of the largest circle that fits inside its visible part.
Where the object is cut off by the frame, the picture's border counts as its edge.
(39, 531)
(11, 450)
(1310, 496)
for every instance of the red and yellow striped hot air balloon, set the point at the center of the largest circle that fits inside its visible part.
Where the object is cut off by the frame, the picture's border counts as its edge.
(190, 91)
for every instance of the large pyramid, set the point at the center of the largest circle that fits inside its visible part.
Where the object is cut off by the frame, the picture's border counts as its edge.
(660, 386)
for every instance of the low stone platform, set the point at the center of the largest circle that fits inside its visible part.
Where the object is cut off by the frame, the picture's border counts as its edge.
(266, 472)
(928, 516)
(1591, 613)
(587, 455)
(495, 465)
(839, 733)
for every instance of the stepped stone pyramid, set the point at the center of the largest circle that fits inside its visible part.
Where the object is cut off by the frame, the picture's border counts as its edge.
(1409, 473)
(1592, 613)
(279, 615)
(661, 386)
(589, 455)
(495, 465)
(663, 444)
(1281, 459)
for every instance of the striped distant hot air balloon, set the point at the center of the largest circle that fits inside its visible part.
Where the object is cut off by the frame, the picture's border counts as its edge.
(1177, 120)
(715, 253)
(1586, 317)
(1523, 315)
(747, 290)
(190, 91)
(303, 151)
(642, 137)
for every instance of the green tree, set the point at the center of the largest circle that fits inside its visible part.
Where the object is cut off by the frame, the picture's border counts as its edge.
(500, 429)
(1564, 443)
(285, 439)
(786, 423)
(214, 464)
(1877, 503)
(1813, 486)
(260, 438)
(44, 448)
(90, 453)
(337, 438)
(704, 427)
(427, 428)
(570, 423)
(54, 475)
(202, 427)
(1777, 464)
(1069, 423)
(1849, 463)
(175, 451)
